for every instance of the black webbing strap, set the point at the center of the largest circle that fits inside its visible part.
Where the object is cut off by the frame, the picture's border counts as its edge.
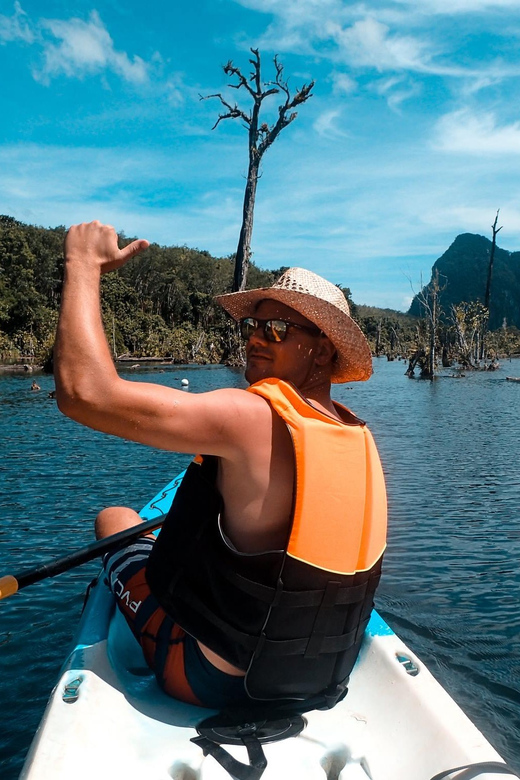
(322, 620)
(480, 768)
(350, 594)
(239, 637)
(283, 647)
(273, 647)
(238, 770)
(250, 730)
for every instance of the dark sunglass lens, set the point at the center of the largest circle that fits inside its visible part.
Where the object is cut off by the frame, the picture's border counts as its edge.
(276, 330)
(248, 327)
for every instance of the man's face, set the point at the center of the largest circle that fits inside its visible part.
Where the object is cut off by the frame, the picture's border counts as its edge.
(292, 359)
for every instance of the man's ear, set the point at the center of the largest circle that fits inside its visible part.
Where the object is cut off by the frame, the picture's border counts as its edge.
(326, 352)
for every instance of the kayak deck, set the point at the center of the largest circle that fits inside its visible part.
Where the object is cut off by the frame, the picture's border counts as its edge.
(107, 718)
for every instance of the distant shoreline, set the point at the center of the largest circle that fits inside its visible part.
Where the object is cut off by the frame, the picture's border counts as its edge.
(28, 368)
(19, 368)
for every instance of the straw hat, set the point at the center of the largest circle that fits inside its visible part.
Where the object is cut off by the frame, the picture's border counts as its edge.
(323, 304)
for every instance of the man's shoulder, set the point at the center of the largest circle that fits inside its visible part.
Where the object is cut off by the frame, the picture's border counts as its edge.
(234, 401)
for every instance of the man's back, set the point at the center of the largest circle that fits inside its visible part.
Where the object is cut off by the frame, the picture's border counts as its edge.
(299, 332)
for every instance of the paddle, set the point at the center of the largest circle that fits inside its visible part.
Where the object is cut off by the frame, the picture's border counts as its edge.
(11, 583)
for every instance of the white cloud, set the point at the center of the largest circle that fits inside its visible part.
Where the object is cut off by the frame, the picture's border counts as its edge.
(369, 43)
(16, 27)
(353, 32)
(326, 125)
(396, 90)
(459, 6)
(343, 84)
(293, 10)
(466, 132)
(85, 48)
(383, 35)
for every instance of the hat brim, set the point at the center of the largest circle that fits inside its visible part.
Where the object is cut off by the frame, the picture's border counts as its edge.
(354, 361)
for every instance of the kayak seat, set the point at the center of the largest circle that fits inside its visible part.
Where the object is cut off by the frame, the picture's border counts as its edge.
(124, 649)
(136, 681)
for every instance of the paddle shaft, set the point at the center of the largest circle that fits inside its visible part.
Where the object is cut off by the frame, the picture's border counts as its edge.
(11, 583)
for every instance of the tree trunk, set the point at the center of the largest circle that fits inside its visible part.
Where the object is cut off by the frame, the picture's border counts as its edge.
(433, 338)
(378, 338)
(244, 242)
(260, 136)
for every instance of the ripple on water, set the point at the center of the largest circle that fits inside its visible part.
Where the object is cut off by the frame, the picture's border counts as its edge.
(451, 578)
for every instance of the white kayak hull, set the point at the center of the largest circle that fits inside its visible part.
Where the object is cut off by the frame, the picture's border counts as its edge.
(107, 719)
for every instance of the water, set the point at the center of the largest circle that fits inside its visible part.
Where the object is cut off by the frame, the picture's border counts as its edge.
(452, 577)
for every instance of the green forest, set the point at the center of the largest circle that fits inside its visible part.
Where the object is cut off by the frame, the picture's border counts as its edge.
(161, 305)
(158, 305)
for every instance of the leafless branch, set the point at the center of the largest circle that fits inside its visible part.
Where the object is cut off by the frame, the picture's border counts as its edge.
(234, 112)
(260, 136)
(494, 225)
(232, 70)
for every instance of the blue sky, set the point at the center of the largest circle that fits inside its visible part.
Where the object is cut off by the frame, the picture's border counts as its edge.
(412, 135)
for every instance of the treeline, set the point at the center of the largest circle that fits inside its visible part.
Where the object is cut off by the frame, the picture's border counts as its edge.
(443, 336)
(161, 304)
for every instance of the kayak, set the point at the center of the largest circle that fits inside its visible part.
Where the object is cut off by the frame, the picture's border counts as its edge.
(107, 719)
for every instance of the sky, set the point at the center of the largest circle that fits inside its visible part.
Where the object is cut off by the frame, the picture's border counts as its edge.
(411, 137)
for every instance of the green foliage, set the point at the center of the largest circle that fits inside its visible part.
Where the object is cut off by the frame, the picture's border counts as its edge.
(161, 304)
(388, 332)
(30, 273)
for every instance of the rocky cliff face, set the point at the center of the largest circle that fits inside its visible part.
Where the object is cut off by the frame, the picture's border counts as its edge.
(463, 270)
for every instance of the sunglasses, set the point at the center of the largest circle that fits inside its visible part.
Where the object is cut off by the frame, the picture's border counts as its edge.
(273, 330)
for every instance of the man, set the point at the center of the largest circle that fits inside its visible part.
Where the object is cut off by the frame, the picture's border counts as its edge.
(262, 579)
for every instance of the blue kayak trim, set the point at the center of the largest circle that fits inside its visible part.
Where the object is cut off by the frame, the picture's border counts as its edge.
(161, 503)
(377, 626)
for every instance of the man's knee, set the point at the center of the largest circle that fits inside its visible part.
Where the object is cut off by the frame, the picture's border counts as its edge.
(114, 519)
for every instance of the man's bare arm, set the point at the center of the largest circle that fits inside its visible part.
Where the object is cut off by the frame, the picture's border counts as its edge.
(89, 390)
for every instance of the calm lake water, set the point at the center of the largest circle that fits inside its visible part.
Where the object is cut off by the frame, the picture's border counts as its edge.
(451, 584)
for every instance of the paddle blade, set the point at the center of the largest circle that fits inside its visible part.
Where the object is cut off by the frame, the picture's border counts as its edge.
(8, 586)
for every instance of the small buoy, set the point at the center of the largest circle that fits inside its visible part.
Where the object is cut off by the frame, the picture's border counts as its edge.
(184, 382)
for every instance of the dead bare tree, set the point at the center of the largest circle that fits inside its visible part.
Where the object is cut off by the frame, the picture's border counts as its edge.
(488, 282)
(261, 136)
(491, 259)
(468, 321)
(428, 298)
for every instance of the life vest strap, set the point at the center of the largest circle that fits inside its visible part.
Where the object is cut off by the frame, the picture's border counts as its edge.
(300, 598)
(246, 640)
(329, 644)
(276, 647)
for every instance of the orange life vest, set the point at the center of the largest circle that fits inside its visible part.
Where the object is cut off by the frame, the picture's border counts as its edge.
(337, 469)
